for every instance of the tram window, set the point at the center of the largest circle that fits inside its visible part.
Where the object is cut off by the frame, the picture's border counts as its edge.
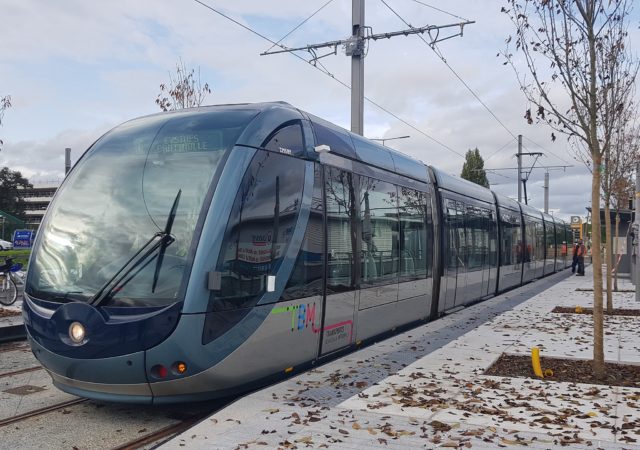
(539, 249)
(260, 226)
(414, 247)
(379, 236)
(463, 249)
(337, 140)
(453, 244)
(530, 238)
(512, 248)
(341, 226)
(429, 242)
(287, 140)
(306, 278)
(493, 239)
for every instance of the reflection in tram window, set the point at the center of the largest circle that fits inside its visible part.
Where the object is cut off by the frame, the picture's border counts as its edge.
(415, 248)
(379, 237)
(120, 195)
(306, 278)
(341, 226)
(260, 226)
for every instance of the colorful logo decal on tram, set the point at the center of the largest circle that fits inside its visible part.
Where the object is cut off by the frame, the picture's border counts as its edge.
(304, 315)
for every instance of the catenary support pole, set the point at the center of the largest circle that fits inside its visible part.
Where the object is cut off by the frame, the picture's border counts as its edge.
(67, 160)
(546, 192)
(357, 68)
(637, 231)
(519, 155)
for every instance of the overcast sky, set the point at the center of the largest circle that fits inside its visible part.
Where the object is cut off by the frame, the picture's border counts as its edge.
(75, 69)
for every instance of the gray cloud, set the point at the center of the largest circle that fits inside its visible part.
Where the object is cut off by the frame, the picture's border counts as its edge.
(75, 69)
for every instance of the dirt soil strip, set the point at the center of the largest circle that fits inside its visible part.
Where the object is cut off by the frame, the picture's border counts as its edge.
(589, 311)
(166, 432)
(38, 412)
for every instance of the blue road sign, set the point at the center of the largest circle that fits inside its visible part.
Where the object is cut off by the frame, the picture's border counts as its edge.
(22, 238)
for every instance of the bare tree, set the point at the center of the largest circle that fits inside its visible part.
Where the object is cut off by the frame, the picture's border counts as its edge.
(625, 151)
(618, 167)
(575, 70)
(185, 90)
(5, 103)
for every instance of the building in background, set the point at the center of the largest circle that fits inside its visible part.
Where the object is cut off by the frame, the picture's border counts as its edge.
(38, 198)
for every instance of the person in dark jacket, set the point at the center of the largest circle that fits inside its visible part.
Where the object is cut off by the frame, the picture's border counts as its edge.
(582, 252)
(574, 262)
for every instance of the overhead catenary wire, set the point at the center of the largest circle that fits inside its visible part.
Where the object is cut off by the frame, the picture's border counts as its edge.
(323, 70)
(438, 9)
(499, 150)
(440, 56)
(299, 25)
(546, 150)
(452, 71)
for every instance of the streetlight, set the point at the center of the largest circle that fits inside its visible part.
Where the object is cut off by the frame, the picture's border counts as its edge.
(389, 139)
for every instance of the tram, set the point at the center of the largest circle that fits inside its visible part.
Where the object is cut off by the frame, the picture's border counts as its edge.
(199, 253)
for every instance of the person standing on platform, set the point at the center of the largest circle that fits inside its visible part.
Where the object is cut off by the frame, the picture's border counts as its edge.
(574, 262)
(582, 252)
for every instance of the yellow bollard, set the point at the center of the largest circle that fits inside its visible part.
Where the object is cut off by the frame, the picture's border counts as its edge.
(578, 309)
(535, 361)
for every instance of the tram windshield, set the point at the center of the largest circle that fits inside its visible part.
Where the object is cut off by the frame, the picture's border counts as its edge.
(121, 194)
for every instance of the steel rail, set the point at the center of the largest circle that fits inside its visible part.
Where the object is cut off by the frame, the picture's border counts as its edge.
(41, 411)
(21, 371)
(168, 431)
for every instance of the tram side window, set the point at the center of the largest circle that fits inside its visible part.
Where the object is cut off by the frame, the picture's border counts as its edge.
(379, 237)
(512, 249)
(453, 244)
(475, 237)
(414, 245)
(539, 248)
(287, 140)
(306, 278)
(260, 226)
(493, 238)
(337, 140)
(341, 226)
(530, 239)
(463, 249)
(429, 242)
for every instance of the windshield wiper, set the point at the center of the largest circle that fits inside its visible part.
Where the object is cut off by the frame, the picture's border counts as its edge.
(141, 259)
(164, 244)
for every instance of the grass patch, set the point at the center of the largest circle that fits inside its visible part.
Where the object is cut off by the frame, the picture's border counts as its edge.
(19, 256)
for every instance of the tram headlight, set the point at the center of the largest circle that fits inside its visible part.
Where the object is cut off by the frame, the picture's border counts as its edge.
(77, 332)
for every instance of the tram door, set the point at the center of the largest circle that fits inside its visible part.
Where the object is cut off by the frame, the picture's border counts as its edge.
(338, 327)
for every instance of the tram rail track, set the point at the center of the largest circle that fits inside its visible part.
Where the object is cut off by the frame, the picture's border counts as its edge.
(164, 434)
(41, 411)
(21, 371)
(14, 346)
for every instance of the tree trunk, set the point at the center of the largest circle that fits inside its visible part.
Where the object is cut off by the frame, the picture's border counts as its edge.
(596, 253)
(615, 276)
(608, 252)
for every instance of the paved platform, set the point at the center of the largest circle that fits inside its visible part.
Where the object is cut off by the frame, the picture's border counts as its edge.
(425, 388)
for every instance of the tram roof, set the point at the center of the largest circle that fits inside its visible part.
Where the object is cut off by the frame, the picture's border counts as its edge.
(461, 186)
(507, 202)
(531, 211)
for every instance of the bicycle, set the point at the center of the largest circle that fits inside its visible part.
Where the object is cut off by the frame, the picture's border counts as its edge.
(8, 286)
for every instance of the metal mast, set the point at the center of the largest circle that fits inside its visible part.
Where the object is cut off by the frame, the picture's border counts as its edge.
(355, 46)
(357, 67)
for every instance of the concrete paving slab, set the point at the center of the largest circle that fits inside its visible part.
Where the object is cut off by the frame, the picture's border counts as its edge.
(437, 396)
